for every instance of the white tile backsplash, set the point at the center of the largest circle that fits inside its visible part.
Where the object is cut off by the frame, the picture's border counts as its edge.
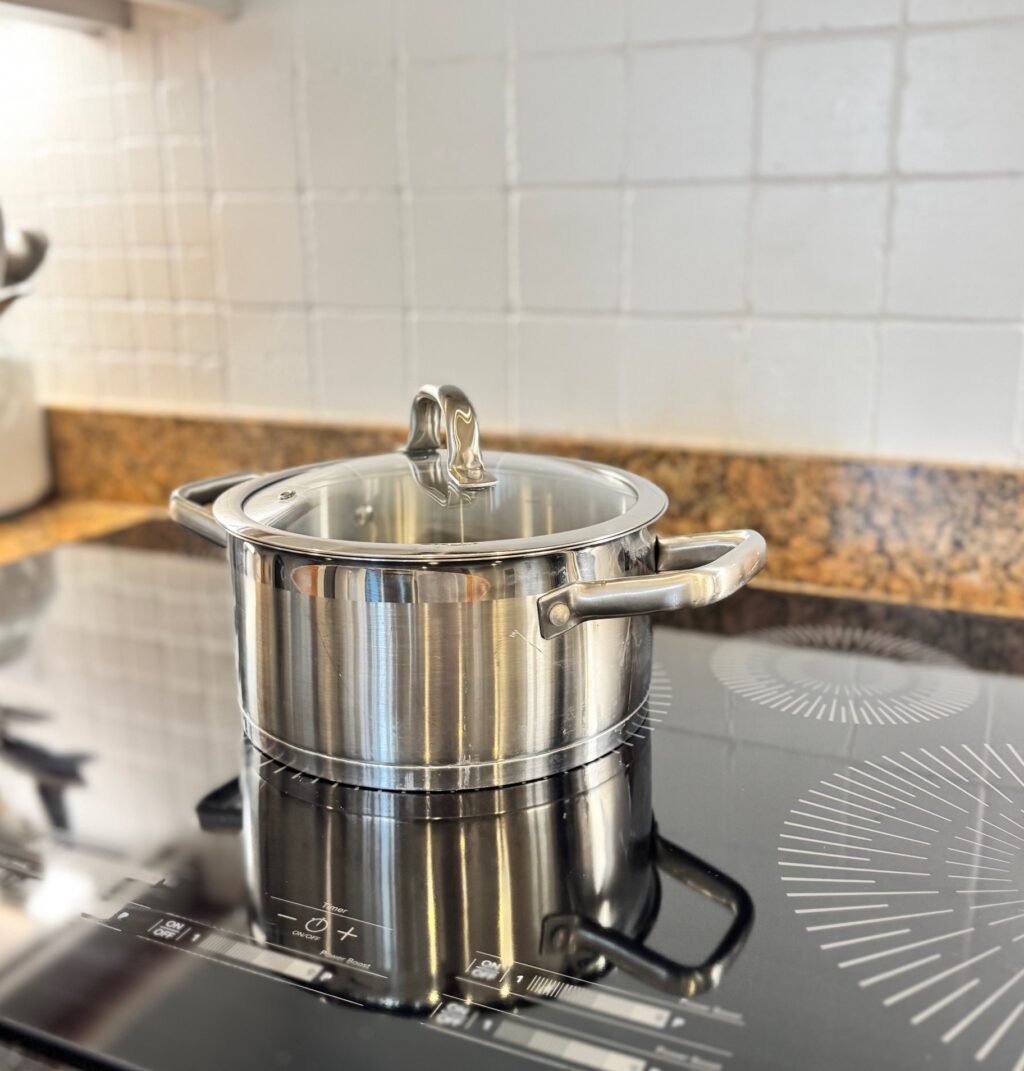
(109, 275)
(963, 10)
(148, 221)
(670, 20)
(569, 24)
(818, 248)
(569, 249)
(753, 224)
(267, 359)
(569, 377)
(949, 391)
(841, 127)
(195, 274)
(810, 388)
(570, 118)
(151, 276)
(442, 29)
(796, 15)
(362, 366)
(357, 252)
(459, 260)
(689, 249)
(456, 120)
(350, 119)
(262, 40)
(181, 107)
(681, 377)
(958, 249)
(190, 220)
(335, 34)
(199, 333)
(252, 154)
(138, 111)
(691, 112)
(186, 169)
(963, 101)
(261, 247)
(141, 169)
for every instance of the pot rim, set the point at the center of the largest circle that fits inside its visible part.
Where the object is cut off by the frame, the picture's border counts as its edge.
(651, 503)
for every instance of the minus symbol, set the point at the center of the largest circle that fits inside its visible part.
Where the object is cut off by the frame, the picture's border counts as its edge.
(290, 918)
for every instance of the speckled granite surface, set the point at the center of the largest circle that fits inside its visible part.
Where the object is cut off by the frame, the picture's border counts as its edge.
(63, 521)
(916, 533)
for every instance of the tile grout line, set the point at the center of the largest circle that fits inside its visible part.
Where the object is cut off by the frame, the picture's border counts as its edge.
(215, 214)
(314, 357)
(627, 204)
(1018, 425)
(553, 314)
(513, 332)
(406, 235)
(741, 399)
(176, 267)
(895, 119)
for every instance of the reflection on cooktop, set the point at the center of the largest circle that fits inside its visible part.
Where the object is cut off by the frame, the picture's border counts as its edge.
(563, 874)
(907, 870)
(880, 680)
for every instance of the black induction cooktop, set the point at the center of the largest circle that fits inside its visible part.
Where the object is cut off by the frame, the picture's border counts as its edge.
(812, 855)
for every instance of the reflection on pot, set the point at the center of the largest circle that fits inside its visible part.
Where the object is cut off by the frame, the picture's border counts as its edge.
(403, 893)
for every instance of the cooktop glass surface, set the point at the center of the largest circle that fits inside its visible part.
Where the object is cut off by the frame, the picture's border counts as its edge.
(809, 856)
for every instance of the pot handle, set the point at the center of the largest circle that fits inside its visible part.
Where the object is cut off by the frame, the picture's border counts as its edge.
(693, 570)
(574, 933)
(187, 503)
(465, 464)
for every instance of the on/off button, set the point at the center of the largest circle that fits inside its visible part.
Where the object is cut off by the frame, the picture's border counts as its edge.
(316, 925)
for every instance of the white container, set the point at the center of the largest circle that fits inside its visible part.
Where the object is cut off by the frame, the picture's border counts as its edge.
(25, 476)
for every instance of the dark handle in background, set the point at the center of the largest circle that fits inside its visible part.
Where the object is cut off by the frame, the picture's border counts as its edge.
(574, 933)
(220, 811)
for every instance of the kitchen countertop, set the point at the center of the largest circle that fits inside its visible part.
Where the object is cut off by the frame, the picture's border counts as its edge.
(65, 521)
(903, 533)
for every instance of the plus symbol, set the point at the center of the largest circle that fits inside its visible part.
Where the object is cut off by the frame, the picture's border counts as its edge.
(347, 933)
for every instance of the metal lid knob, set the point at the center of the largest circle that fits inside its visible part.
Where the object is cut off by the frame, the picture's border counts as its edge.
(448, 406)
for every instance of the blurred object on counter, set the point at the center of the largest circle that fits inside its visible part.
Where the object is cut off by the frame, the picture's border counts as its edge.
(26, 477)
(24, 253)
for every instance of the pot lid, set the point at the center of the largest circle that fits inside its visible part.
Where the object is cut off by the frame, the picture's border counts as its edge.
(427, 502)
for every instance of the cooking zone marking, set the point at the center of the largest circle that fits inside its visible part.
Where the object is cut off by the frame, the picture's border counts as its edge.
(942, 829)
(837, 673)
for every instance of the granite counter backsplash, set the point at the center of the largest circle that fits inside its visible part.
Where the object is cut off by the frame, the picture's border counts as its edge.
(930, 534)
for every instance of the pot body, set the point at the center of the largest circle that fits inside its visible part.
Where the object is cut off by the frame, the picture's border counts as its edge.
(432, 676)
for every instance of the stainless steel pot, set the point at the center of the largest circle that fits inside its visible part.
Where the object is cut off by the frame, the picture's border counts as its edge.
(410, 897)
(437, 619)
